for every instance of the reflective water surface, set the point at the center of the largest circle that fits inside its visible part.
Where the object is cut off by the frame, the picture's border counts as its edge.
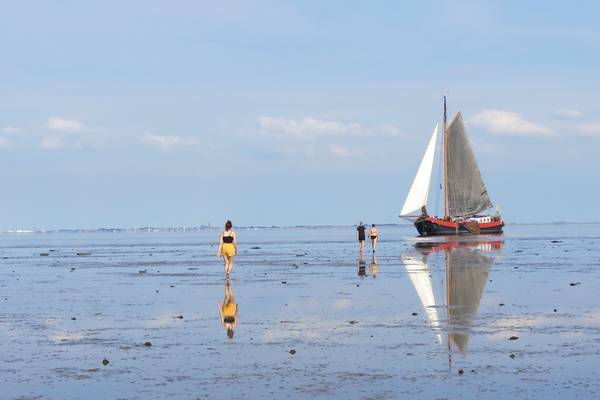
(304, 315)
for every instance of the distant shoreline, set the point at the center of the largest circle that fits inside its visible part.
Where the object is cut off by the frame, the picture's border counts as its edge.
(257, 227)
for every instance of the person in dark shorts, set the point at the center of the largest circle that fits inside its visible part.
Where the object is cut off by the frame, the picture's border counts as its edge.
(360, 235)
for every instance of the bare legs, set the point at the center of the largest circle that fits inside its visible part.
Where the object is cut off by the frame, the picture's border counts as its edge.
(228, 261)
(374, 244)
(361, 245)
(228, 294)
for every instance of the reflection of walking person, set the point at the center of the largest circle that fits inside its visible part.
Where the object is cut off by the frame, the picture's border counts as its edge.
(361, 268)
(360, 235)
(374, 267)
(227, 247)
(373, 234)
(228, 311)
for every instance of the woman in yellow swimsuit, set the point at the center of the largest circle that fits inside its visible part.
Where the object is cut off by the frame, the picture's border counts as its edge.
(227, 247)
(228, 311)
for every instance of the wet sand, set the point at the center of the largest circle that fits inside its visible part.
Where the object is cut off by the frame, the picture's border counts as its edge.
(354, 335)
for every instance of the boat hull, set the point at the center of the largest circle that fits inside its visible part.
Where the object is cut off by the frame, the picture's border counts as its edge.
(430, 226)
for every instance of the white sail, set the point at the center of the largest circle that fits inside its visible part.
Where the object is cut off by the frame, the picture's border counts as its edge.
(419, 275)
(419, 191)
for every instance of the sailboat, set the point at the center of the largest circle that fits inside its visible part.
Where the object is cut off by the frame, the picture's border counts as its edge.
(467, 268)
(465, 195)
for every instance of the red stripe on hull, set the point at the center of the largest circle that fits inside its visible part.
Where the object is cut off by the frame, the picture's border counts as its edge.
(430, 226)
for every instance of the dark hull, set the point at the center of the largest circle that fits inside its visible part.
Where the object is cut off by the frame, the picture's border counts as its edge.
(435, 227)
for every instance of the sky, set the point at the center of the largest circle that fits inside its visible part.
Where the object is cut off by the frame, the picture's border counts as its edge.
(182, 113)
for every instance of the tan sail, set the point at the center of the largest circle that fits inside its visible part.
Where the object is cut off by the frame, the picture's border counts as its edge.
(466, 192)
(468, 274)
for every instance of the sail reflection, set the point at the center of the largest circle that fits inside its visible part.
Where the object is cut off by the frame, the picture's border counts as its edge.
(460, 284)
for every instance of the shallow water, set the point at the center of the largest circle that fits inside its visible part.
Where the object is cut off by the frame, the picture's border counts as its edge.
(350, 321)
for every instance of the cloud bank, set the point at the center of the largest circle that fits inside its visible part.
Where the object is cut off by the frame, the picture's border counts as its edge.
(53, 142)
(508, 123)
(11, 130)
(568, 113)
(4, 142)
(590, 129)
(64, 125)
(167, 142)
(311, 127)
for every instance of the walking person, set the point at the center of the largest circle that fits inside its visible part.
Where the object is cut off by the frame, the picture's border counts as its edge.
(360, 235)
(373, 234)
(227, 247)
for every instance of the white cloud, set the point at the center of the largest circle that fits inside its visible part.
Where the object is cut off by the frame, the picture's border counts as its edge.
(508, 123)
(310, 127)
(53, 142)
(4, 142)
(390, 130)
(568, 113)
(590, 129)
(339, 151)
(60, 140)
(11, 130)
(167, 142)
(64, 125)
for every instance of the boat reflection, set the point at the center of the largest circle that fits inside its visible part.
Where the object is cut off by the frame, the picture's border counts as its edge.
(228, 311)
(462, 280)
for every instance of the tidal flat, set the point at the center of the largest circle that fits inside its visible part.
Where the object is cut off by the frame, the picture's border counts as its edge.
(136, 315)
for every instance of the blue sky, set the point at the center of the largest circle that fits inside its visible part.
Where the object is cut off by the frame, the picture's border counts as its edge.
(185, 112)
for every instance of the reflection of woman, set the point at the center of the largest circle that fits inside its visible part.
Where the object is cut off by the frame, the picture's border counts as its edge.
(373, 234)
(228, 311)
(227, 247)
(374, 267)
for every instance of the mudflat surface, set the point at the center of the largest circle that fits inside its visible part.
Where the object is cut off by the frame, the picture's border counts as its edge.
(511, 316)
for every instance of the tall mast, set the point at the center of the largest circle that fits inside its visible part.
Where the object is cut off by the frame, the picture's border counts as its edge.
(446, 211)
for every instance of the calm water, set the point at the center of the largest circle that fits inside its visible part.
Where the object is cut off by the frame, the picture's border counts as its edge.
(350, 320)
